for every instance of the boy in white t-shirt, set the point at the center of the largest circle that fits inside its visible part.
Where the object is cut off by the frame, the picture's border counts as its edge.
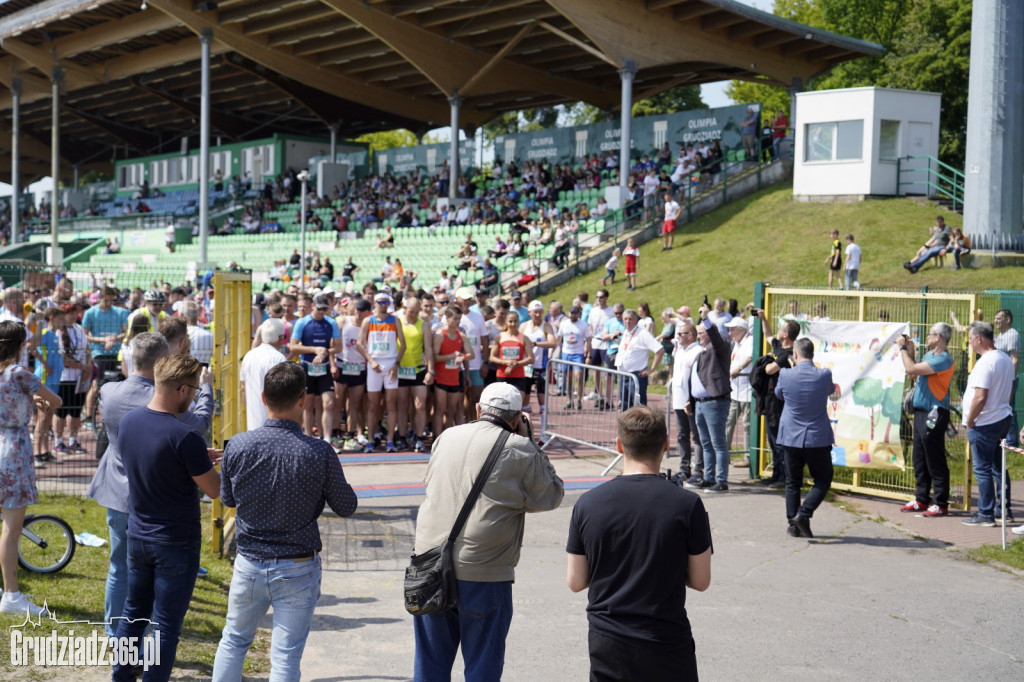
(609, 268)
(852, 263)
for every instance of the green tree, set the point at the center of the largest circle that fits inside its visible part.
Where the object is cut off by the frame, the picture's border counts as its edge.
(521, 121)
(928, 46)
(682, 98)
(388, 139)
(867, 392)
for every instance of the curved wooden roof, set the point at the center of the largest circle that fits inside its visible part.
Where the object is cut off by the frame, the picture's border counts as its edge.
(131, 75)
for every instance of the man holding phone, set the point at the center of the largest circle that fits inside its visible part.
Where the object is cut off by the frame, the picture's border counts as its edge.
(934, 373)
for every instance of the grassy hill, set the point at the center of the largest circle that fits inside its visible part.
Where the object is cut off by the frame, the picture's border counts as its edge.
(769, 237)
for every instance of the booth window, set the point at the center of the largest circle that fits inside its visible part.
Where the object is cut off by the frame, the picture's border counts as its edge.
(889, 141)
(834, 141)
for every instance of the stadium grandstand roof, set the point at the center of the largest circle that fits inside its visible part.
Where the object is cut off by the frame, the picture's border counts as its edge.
(131, 69)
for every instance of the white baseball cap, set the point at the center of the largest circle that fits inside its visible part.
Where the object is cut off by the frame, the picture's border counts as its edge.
(502, 396)
(736, 322)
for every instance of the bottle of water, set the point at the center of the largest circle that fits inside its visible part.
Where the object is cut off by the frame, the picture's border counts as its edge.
(932, 418)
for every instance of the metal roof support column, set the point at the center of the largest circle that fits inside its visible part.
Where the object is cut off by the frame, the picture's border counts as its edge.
(205, 40)
(995, 121)
(626, 73)
(794, 90)
(334, 142)
(15, 159)
(453, 156)
(55, 257)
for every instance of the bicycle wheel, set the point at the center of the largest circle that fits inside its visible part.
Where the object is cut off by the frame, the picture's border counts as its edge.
(47, 544)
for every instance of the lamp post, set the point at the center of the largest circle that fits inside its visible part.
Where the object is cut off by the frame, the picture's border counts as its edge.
(303, 178)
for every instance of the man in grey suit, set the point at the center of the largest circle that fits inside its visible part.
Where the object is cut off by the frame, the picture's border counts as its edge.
(109, 485)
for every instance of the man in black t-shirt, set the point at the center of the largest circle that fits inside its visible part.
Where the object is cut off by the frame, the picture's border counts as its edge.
(638, 541)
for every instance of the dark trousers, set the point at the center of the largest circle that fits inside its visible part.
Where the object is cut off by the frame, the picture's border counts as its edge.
(161, 577)
(613, 660)
(819, 462)
(931, 470)
(778, 453)
(626, 388)
(691, 453)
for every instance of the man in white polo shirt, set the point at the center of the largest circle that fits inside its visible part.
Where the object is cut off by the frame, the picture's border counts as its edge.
(635, 350)
(255, 366)
(739, 376)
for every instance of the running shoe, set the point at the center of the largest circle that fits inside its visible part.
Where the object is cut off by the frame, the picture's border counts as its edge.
(60, 449)
(935, 511)
(368, 448)
(75, 447)
(418, 446)
(979, 520)
(390, 447)
(21, 605)
(914, 506)
(351, 444)
(337, 442)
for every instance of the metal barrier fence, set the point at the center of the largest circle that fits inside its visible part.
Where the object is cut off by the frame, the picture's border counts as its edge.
(569, 421)
(921, 310)
(68, 469)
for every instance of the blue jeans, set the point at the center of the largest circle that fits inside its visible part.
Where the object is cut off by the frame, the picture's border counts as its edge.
(712, 416)
(927, 255)
(627, 388)
(292, 588)
(117, 572)
(161, 577)
(987, 459)
(480, 622)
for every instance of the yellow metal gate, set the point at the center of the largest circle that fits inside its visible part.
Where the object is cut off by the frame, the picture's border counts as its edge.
(232, 336)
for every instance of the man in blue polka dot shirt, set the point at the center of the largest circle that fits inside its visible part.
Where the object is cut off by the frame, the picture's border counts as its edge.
(279, 480)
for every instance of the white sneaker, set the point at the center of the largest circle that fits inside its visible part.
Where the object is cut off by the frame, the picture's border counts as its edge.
(1019, 530)
(20, 605)
(591, 396)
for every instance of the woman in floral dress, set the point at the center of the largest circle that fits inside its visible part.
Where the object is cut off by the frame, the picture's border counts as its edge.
(20, 392)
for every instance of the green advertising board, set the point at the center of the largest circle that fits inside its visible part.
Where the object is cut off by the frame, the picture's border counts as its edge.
(427, 158)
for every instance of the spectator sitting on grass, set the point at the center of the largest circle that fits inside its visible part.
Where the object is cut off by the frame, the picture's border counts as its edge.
(936, 246)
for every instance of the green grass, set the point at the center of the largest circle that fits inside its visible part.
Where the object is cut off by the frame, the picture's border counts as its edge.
(769, 237)
(1012, 556)
(76, 593)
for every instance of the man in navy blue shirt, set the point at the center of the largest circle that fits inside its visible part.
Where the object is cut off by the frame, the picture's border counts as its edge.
(279, 480)
(317, 338)
(164, 460)
(806, 434)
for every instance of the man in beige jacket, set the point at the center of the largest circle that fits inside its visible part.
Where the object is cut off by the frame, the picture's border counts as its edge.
(487, 551)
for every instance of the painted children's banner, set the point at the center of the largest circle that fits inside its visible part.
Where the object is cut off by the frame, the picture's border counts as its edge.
(869, 376)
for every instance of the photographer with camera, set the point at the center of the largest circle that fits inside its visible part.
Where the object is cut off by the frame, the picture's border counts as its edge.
(486, 551)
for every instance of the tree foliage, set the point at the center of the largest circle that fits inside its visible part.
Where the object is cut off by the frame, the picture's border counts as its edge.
(389, 139)
(682, 98)
(928, 46)
(522, 121)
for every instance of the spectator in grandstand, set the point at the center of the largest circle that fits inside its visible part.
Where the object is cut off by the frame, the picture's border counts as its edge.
(709, 401)
(748, 128)
(254, 367)
(500, 247)
(74, 382)
(638, 542)
(348, 270)
(49, 368)
(109, 486)
(937, 245)
(452, 348)
(21, 390)
(490, 279)
(169, 237)
(350, 374)
(386, 240)
(415, 375)
(385, 270)
(382, 343)
(316, 338)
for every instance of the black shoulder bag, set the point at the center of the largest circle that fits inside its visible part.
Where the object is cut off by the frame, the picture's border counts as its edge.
(430, 577)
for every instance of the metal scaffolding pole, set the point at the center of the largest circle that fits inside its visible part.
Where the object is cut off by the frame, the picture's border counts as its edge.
(626, 74)
(453, 156)
(15, 161)
(205, 39)
(55, 256)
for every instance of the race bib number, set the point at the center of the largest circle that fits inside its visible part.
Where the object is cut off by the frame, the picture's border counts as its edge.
(380, 347)
(406, 372)
(510, 353)
(528, 371)
(351, 369)
(451, 363)
(317, 369)
(474, 341)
